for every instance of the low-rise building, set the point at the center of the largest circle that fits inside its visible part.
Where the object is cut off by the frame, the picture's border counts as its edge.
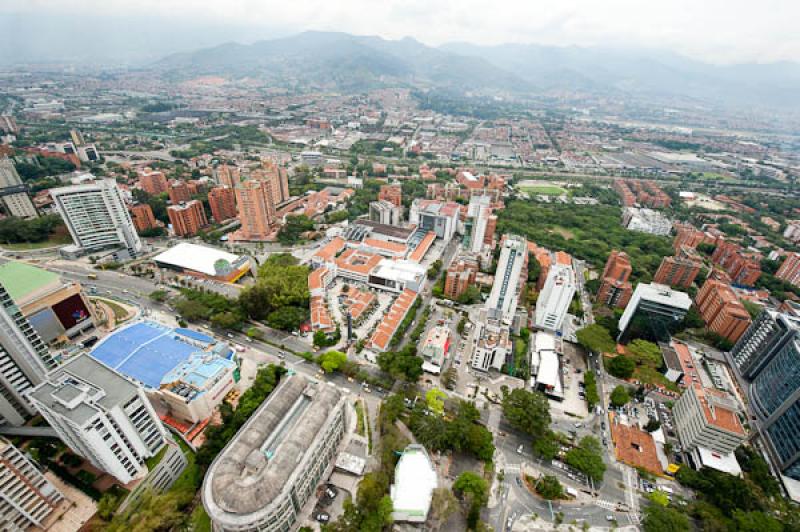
(646, 221)
(434, 349)
(204, 262)
(546, 365)
(414, 482)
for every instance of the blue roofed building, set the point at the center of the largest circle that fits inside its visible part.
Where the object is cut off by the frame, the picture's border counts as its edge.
(185, 373)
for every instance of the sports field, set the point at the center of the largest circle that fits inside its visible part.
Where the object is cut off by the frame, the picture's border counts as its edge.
(545, 189)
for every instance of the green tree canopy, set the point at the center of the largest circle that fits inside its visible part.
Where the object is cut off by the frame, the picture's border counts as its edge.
(621, 366)
(587, 458)
(434, 398)
(596, 338)
(658, 518)
(620, 396)
(330, 361)
(527, 411)
(550, 488)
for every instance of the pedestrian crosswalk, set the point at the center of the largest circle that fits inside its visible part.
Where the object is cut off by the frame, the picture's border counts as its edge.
(608, 505)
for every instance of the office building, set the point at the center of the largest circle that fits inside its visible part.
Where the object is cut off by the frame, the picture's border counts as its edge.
(269, 472)
(97, 219)
(222, 201)
(493, 345)
(143, 218)
(179, 192)
(615, 289)
(460, 275)
(767, 335)
(555, 298)
(510, 277)
(57, 310)
(24, 361)
(439, 217)
(414, 481)
(789, 270)
(654, 311)
(187, 219)
(679, 271)
(721, 310)
(256, 211)
(479, 213)
(101, 416)
(391, 193)
(384, 212)
(153, 182)
(646, 221)
(13, 193)
(28, 501)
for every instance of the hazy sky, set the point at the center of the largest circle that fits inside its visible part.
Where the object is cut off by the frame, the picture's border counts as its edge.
(721, 31)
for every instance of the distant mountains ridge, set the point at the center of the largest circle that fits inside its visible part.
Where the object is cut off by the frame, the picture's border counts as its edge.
(349, 62)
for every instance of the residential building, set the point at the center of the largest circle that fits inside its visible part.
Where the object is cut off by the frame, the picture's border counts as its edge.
(792, 231)
(256, 211)
(688, 235)
(554, 300)
(744, 268)
(28, 501)
(97, 219)
(414, 481)
(57, 310)
(789, 269)
(268, 474)
(679, 271)
(440, 217)
(222, 201)
(101, 416)
(654, 310)
(384, 212)
(615, 289)
(391, 193)
(153, 182)
(460, 275)
(179, 192)
(479, 212)
(24, 362)
(275, 178)
(13, 193)
(646, 221)
(721, 309)
(227, 176)
(143, 218)
(187, 218)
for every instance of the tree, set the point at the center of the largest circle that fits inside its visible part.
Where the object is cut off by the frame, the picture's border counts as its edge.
(658, 518)
(435, 400)
(158, 295)
(550, 488)
(596, 339)
(527, 411)
(192, 309)
(546, 446)
(470, 296)
(443, 504)
(756, 522)
(472, 484)
(254, 333)
(645, 353)
(295, 226)
(621, 366)
(659, 497)
(619, 396)
(652, 425)
(587, 458)
(226, 320)
(449, 378)
(330, 361)
(403, 364)
(592, 396)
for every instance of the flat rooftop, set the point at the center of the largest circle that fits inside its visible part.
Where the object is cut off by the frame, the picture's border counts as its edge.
(23, 280)
(401, 233)
(203, 259)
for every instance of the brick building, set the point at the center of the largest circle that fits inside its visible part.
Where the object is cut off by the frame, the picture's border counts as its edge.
(615, 289)
(153, 182)
(743, 267)
(789, 270)
(187, 218)
(179, 192)
(222, 201)
(690, 236)
(143, 219)
(391, 193)
(721, 310)
(460, 275)
(256, 210)
(680, 270)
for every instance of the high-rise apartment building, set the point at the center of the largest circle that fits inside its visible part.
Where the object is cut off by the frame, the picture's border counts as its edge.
(688, 235)
(276, 178)
(721, 309)
(391, 193)
(681, 270)
(187, 218)
(143, 218)
(179, 192)
(101, 416)
(615, 289)
(222, 201)
(13, 193)
(228, 176)
(153, 181)
(744, 268)
(256, 210)
(460, 275)
(789, 270)
(27, 499)
(24, 361)
(97, 219)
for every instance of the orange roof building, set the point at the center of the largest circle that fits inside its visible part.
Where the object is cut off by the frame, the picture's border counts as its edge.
(423, 247)
(356, 265)
(721, 309)
(635, 447)
(143, 219)
(329, 252)
(391, 321)
(187, 218)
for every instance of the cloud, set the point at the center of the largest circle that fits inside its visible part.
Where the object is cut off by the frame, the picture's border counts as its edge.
(713, 30)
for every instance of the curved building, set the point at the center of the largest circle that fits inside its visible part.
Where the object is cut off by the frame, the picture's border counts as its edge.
(269, 471)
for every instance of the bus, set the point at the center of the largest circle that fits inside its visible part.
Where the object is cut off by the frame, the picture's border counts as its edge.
(92, 276)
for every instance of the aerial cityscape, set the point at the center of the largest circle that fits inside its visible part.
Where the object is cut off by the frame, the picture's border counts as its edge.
(274, 268)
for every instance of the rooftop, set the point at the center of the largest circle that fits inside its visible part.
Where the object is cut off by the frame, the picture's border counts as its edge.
(414, 482)
(23, 280)
(203, 259)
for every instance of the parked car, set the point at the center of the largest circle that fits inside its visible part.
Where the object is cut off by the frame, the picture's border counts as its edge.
(322, 517)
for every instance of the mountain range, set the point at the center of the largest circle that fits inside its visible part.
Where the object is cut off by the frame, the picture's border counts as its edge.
(348, 62)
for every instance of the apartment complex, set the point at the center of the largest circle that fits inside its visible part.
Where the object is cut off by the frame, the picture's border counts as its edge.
(615, 289)
(179, 192)
(276, 179)
(153, 182)
(24, 361)
(187, 218)
(721, 309)
(97, 219)
(263, 478)
(101, 416)
(789, 270)
(143, 218)
(13, 193)
(256, 207)
(27, 499)
(681, 270)
(222, 201)
(460, 275)
(391, 193)
(653, 311)
(482, 223)
(743, 267)
(228, 176)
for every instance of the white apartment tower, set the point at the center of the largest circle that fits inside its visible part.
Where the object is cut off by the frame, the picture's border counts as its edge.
(24, 362)
(97, 218)
(101, 416)
(13, 193)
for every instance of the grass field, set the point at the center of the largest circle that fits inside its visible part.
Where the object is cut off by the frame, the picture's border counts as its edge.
(60, 240)
(547, 190)
(120, 314)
